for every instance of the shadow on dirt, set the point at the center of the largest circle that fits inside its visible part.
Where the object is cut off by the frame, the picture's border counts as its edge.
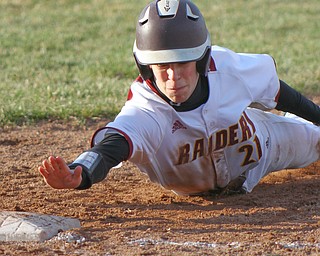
(284, 205)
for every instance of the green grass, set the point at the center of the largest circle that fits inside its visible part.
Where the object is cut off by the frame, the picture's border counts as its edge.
(74, 58)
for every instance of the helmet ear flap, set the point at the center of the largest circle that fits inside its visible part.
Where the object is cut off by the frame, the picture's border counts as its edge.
(203, 64)
(145, 70)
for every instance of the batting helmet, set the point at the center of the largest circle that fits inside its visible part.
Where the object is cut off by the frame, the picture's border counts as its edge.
(170, 31)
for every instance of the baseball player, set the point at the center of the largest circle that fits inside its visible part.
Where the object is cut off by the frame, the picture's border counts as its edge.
(188, 122)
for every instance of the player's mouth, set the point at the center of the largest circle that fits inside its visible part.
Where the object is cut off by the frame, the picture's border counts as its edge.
(176, 89)
(177, 95)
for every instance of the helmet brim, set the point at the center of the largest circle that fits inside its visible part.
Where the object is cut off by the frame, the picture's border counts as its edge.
(147, 57)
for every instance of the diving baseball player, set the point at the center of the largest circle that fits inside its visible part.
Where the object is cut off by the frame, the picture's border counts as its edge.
(188, 122)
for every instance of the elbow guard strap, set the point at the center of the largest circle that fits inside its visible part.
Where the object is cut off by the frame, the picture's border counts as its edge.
(93, 168)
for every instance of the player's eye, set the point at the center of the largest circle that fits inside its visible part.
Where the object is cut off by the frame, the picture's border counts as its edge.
(162, 66)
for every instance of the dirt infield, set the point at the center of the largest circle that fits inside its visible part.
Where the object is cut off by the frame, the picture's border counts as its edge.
(127, 215)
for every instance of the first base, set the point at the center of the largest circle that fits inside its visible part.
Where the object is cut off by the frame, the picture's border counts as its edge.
(27, 226)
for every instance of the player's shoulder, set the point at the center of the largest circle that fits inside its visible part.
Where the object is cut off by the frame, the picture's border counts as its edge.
(141, 92)
(143, 99)
(226, 59)
(223, 52)
(220, 53)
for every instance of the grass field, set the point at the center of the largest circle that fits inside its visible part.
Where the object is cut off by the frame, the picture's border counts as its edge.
(74, 57)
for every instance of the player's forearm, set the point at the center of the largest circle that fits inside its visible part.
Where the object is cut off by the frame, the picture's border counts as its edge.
(97, 161)
(294, 102)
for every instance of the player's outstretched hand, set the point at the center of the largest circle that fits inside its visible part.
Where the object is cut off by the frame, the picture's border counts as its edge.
(57, 174)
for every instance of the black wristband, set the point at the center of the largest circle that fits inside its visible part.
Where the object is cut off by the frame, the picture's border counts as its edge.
(93, 168)
(86, 182)
(97, 161)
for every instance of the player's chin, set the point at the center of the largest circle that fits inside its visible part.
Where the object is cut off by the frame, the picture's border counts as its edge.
(178, 97)
(177, 100)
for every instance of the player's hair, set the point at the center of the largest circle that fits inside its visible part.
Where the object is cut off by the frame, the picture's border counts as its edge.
(171, 31)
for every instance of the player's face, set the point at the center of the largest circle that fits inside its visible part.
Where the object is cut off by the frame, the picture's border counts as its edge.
(176, 80)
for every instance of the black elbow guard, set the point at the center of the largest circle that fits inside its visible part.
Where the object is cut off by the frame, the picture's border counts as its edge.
(93, 168)
(294, 102)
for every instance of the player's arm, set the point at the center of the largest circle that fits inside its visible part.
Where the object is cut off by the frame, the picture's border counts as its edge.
(97, 161)
(290, 100)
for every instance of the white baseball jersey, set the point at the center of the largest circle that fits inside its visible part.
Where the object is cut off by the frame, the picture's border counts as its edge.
(199, 150)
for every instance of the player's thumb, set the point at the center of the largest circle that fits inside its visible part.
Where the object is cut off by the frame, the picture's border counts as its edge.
(77, 171)
(77, 177)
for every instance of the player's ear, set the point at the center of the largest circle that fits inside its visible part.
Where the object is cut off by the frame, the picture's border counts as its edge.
(146, 72)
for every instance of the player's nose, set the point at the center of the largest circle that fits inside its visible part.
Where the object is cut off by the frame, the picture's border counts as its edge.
(173, 72)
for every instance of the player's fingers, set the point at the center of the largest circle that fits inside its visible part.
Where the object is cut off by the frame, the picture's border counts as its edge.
(62, 164)
(53, 162)
(43, 171)
(47, 166)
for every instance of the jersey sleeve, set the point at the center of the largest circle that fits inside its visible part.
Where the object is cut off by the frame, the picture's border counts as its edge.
(256, 71)
(141, 121)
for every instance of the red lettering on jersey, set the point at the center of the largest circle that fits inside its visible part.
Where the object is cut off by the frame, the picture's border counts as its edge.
(248, 150)
(250, 122)
(184, 154)
(258, 145)
(221, 139)
(210, 147)
(246, 132)
(233, 135)
(198, 149)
